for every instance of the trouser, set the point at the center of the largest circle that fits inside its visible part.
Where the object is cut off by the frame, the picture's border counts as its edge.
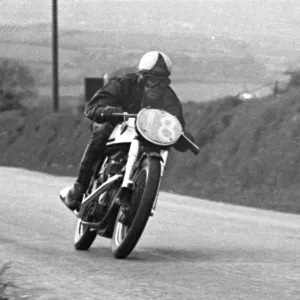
(93, 152)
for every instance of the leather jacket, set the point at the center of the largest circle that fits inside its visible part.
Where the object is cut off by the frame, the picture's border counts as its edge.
(127, 92)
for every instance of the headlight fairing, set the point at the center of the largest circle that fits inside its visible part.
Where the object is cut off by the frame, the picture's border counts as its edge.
(158, 126)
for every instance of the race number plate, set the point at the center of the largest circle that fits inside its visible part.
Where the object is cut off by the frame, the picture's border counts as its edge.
(158, 126)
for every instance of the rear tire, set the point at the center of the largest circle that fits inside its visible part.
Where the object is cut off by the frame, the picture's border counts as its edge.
(84, 236)
(146, 181)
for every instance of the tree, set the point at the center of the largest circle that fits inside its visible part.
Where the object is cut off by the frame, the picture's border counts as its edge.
(16, 84)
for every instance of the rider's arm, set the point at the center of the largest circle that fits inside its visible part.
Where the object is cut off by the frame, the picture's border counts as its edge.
(109, 96)
(173, 106)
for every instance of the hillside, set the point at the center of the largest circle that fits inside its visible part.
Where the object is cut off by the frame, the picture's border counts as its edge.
(89, 53)
(203, 67)
(271, 27)
(244, 42)
(244, 18)
(249, 150)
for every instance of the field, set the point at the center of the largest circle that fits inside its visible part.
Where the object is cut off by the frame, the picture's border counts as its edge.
(188, 91)
(203, 69)
(203, 91)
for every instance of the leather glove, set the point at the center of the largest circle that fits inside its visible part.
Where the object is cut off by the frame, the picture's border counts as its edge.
(182, 144)
(109, 110)
(105, 114)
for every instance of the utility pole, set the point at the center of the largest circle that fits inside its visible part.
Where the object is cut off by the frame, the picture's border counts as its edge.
(55, 80)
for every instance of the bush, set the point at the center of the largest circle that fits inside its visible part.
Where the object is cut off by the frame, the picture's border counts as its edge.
(16, 84)
(294, 76)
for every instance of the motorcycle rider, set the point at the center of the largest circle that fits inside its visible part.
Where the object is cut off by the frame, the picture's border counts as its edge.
(148, 87)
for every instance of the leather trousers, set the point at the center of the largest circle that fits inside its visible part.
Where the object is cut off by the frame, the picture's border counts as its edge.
(93, 152)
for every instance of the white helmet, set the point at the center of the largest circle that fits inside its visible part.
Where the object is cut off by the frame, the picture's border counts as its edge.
(155, 63)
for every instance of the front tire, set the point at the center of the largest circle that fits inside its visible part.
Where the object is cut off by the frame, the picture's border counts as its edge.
(147, 179)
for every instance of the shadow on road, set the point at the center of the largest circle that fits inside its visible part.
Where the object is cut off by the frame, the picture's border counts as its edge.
(154, 254)
(169, 254)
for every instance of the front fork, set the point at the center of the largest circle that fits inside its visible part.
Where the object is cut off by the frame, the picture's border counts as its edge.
(133, 155)
(164, 155)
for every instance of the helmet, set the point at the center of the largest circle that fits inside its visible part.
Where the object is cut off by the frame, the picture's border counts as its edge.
(155, 63)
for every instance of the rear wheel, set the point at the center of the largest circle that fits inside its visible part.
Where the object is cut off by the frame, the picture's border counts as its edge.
(146, 180)
(84, 235)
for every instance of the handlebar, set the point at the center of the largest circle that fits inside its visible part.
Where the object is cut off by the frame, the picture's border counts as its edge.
(193, 147)
(124, 114)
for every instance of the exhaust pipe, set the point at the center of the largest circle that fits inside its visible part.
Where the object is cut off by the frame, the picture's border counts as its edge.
(101, 189)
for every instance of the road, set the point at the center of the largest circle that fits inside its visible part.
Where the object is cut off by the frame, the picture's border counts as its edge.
(191, 249)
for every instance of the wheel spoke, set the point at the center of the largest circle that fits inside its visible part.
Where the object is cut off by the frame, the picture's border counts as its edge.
(122, 229)
(146, 181)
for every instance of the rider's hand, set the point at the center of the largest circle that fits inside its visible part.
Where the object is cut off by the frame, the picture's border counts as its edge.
(107, 114)
(109, 110)
(182, 144)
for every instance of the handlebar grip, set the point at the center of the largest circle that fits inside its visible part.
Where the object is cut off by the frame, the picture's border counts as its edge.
(124, 114)
(121, 114)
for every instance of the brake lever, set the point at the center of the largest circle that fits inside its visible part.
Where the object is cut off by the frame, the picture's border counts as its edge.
(193, 147)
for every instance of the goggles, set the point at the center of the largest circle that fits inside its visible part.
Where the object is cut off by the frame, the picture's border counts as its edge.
(151, 81)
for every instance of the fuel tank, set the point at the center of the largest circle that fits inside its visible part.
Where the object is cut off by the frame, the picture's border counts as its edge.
(123, 133)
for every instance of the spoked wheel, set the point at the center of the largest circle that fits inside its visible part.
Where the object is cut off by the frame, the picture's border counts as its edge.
(146, 180)
(121, 232)
(84, 235)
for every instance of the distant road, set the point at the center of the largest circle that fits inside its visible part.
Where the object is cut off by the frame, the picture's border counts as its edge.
(191, 249)
(186, 91)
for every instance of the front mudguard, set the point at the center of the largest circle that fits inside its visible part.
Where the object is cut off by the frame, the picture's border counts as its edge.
(151, 154)
(158, 156)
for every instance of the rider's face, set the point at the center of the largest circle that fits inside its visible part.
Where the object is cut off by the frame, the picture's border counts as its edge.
(154, 93)
(155, 86)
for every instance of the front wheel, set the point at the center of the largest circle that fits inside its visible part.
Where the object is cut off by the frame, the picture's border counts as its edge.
(146, 180)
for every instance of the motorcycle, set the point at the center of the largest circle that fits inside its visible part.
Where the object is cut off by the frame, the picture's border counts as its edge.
(124, 189)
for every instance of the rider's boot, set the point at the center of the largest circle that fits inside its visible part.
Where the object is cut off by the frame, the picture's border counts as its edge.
(75, 194)
(92, 154)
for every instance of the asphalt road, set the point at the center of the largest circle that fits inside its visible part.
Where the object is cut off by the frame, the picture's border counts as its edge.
(191, 249)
